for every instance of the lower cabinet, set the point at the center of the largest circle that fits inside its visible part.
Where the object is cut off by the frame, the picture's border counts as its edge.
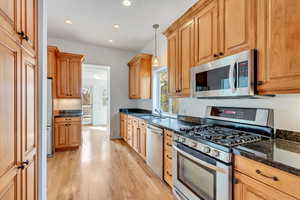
(67, 133)
(247, 188)
(134, 132)
(256, 181)
(168, 157)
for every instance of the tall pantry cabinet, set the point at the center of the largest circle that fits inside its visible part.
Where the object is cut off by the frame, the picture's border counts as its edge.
(19, 99)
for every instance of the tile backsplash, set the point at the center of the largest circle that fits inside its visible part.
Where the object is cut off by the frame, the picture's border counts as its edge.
(67, 104)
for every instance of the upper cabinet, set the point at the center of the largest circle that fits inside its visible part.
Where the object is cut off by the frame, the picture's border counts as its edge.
(206, 33)
(68, 75)
(278, 46)
(237, 26)
(19, 20)
(180, 59)
(140, 68)
(213, 29)
(52, 61)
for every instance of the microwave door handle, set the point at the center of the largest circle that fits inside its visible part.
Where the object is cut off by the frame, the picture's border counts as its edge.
(212, 167)
(232, 78)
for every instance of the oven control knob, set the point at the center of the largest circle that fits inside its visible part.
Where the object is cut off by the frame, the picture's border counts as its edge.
(206, 149)
(194, 144)
(215, 153)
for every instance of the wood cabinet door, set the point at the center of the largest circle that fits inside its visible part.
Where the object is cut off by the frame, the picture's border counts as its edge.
(131, 82)
(10, 17)
(74, 134)
(173, 64)
(29, 179)
(135, 136)
(29, 25)
(206, 33)
(278, 46)
(29, 126)
(61, 135)
(10, 118)
(137, 83)
(247, 188)
(143, 142)
(75, 78)
(238, 30)
(63, 78)
(122, 127)
(186, 57)
(51, 67)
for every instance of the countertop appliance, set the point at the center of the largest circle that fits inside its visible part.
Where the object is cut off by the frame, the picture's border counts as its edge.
(202, 155)
(232, 76)
(49, 119)
(154, 151)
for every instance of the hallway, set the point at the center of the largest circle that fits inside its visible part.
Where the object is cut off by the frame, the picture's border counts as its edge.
(102, 169)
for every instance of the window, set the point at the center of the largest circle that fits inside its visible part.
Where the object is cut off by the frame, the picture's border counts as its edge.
(161, 99)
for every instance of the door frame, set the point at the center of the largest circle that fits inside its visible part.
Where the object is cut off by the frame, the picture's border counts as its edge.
(107, 69)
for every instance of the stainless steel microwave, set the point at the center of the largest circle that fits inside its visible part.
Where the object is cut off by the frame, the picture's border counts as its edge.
(232, 76)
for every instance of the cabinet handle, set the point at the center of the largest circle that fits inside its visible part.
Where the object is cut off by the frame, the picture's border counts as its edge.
(169, 144)
(21, 34)
(169, 135)
(274, 178)
(169, 173)
(260, 82)
(169, 157)
(23, 164)
(235, 181)
(25, 37)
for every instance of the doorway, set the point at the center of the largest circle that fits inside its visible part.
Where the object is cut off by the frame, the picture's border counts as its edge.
(95, 97)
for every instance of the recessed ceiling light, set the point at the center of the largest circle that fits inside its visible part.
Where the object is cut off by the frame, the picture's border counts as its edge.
(116, 26)
(111, 41)
(68, 21)
(126, 3)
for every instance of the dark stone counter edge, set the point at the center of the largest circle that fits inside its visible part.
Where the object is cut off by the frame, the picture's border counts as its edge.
(60, 116)
(273, 164)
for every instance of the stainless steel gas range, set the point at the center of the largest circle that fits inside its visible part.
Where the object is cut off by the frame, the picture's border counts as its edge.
(202, 158)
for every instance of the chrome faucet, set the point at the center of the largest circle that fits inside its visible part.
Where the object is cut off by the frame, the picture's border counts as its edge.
(159, 112)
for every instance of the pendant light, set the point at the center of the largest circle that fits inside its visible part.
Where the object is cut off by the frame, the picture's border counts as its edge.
(155, 60)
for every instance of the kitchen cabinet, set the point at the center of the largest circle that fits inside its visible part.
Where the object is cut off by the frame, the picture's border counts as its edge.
(67, 133)
(19, 108)
(168, 157)
(180, 59)
(29, 26)
(237, 26)
(140, 70)
(68, 75)
(278, 46)
(123, 126)
(247, 188)
(206, 33)
(254, 180)
(136, 133)
(52, 61)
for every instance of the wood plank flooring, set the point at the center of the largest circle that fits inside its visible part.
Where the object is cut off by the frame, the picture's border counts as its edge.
(102, 169)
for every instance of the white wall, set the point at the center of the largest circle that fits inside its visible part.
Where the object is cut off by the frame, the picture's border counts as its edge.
(286, 107)
(117, 60)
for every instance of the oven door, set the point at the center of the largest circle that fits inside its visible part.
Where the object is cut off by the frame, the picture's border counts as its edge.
(225, 77)
(199, 177)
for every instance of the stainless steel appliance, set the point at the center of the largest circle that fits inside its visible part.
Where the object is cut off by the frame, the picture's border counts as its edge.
(231, 76)
(154, 151)
(202, 154)
(49, 119)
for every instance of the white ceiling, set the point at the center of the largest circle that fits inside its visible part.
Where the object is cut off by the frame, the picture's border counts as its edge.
(93, 20)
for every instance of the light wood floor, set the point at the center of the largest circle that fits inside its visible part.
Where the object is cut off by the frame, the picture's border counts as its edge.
(102, 169)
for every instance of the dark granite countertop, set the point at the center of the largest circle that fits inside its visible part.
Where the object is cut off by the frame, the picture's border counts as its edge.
(172, 124)
(278, 153)
(69, 113)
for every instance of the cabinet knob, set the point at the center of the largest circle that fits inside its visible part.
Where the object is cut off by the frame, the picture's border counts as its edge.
(25, 37)
(215, 55)
(21, 34)
(221, 53)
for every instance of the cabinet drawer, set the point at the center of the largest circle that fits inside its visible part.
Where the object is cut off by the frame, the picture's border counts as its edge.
(276, 178)
(168, 144)
(168, 168)
(67, 119)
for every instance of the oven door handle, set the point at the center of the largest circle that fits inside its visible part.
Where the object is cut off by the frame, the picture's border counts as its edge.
(210, 166)
(232, 77)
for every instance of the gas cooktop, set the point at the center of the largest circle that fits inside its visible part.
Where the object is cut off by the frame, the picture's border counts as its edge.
(221, 135)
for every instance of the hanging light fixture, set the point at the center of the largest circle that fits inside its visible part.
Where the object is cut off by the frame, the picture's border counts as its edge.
(155, 60)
